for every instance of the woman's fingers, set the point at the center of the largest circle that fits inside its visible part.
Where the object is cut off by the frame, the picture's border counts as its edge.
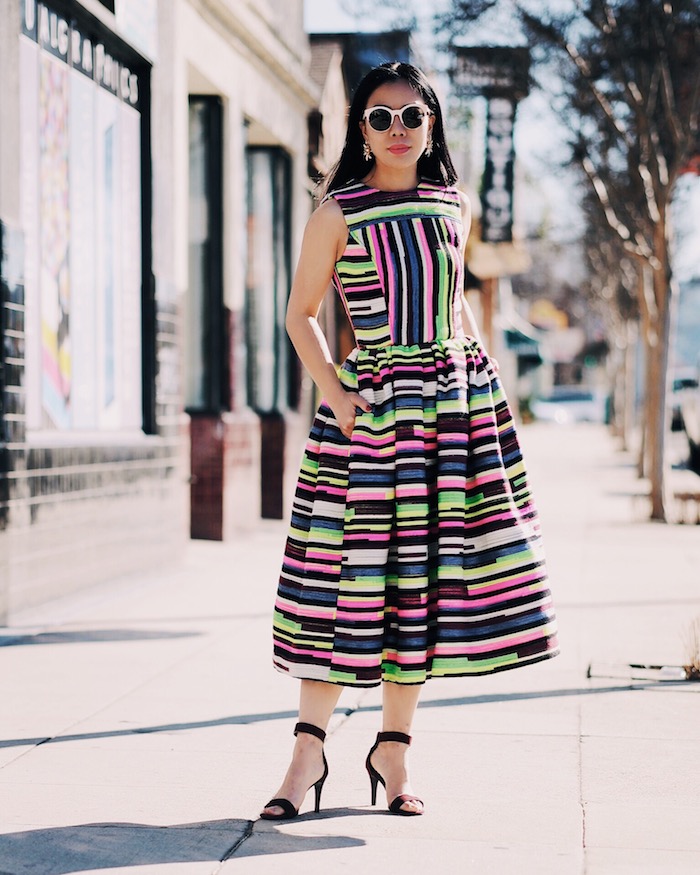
(360, 402)
(346, 411)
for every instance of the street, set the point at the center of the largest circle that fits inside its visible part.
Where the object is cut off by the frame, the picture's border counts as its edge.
(143, 725)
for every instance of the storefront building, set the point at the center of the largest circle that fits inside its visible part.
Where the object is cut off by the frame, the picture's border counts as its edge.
(238, 115)
(152, 190)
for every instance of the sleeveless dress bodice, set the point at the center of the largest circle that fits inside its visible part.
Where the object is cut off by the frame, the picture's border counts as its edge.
(400, 277)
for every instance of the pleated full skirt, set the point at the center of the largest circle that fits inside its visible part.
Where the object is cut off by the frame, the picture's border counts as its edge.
(414, 548)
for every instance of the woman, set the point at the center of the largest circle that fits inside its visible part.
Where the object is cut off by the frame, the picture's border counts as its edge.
(414, 548)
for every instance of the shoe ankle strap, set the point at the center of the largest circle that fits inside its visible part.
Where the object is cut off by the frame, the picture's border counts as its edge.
(310, 729)
(393, 736)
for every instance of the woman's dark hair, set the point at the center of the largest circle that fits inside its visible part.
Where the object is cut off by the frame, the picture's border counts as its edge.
(351, 165)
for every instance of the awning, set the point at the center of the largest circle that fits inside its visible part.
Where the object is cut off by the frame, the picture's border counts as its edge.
(523, 340)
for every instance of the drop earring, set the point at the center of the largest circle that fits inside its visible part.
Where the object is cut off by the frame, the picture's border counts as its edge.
(429, 146)
(366, 151)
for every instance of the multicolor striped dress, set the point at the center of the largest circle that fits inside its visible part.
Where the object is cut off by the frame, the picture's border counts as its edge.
(414, 549)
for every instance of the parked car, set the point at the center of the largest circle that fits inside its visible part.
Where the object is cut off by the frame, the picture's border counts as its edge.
(684, 389)
(568, 404)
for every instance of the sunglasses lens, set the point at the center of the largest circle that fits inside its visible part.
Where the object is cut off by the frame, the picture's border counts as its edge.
(412, 117)
(380, 119)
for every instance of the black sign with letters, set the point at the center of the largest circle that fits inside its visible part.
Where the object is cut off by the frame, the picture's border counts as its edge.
(71, 42)
(497, 184)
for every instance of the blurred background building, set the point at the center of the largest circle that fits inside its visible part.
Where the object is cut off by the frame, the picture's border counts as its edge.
(153, 190)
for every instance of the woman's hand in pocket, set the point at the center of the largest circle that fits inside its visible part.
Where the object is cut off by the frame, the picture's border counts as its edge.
(345, 409)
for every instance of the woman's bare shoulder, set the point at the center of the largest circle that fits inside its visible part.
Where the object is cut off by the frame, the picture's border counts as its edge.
(464, 202)
(327, 225)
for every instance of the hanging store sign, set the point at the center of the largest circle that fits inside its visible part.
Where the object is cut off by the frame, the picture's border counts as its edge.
(501, 74)
(67, 40)
(497, 183)
(491, 70)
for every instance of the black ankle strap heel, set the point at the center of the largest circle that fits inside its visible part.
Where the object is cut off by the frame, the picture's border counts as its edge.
(375, 778)
(310, 729)
(288, 810)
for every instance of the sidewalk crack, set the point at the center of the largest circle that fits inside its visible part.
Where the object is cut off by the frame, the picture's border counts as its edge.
(236, 845)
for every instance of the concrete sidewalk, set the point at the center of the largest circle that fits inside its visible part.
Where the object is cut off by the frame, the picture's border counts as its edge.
(143, 726)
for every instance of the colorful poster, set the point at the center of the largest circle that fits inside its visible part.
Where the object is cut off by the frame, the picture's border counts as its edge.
(29, 187)
(84, 345)
(54, 274)
(80, 131)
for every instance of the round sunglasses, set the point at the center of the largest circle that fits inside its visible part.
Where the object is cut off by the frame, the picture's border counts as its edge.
(381, 118)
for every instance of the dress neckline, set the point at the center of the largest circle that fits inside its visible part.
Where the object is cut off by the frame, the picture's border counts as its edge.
(413, 190)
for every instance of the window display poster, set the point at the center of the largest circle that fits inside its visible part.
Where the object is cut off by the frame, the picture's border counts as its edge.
(83, 217)
(29, 189)
(81, 212)
(54, 274)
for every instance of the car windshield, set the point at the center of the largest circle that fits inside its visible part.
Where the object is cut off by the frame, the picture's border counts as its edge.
(569, 394)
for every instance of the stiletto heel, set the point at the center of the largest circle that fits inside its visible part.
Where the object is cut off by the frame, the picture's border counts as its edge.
(288, 810)
(375, 777)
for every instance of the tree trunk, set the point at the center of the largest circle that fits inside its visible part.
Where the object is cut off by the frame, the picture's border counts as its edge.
(630, 383)
(649, 339)
(659, 357)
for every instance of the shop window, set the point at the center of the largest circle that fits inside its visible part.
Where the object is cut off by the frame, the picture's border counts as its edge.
(272, 376)
(206, 374)
(82, 172)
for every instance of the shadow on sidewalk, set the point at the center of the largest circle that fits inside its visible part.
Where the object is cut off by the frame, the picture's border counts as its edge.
(93, 846)
(243, 719)
(88, 636)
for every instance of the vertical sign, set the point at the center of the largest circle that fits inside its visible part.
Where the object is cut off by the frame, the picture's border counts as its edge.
(501, 74)
(497, 184)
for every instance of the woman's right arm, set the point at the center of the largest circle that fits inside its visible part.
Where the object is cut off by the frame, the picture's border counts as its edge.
(324, 242)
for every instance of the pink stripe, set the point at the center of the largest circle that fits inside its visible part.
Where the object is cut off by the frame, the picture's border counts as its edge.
(368, 288)
(428, 265)
(477, 524)
(486, 477)
(300, 651)
(306, 612)
(331, 490)
(350, 660)
(418, 490)
(334, 450)
(489, 601)
(370, 441)
(454, 482)
(507, 641)
(513, 581)
(388, 279)
(317, 554)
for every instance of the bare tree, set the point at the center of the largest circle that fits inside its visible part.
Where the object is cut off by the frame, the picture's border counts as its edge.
(628, 88)
(612, 290)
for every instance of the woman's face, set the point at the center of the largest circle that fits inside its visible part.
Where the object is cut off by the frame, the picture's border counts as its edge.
(399, 146)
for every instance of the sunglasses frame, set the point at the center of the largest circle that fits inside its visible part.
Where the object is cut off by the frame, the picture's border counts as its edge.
(396, 113)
